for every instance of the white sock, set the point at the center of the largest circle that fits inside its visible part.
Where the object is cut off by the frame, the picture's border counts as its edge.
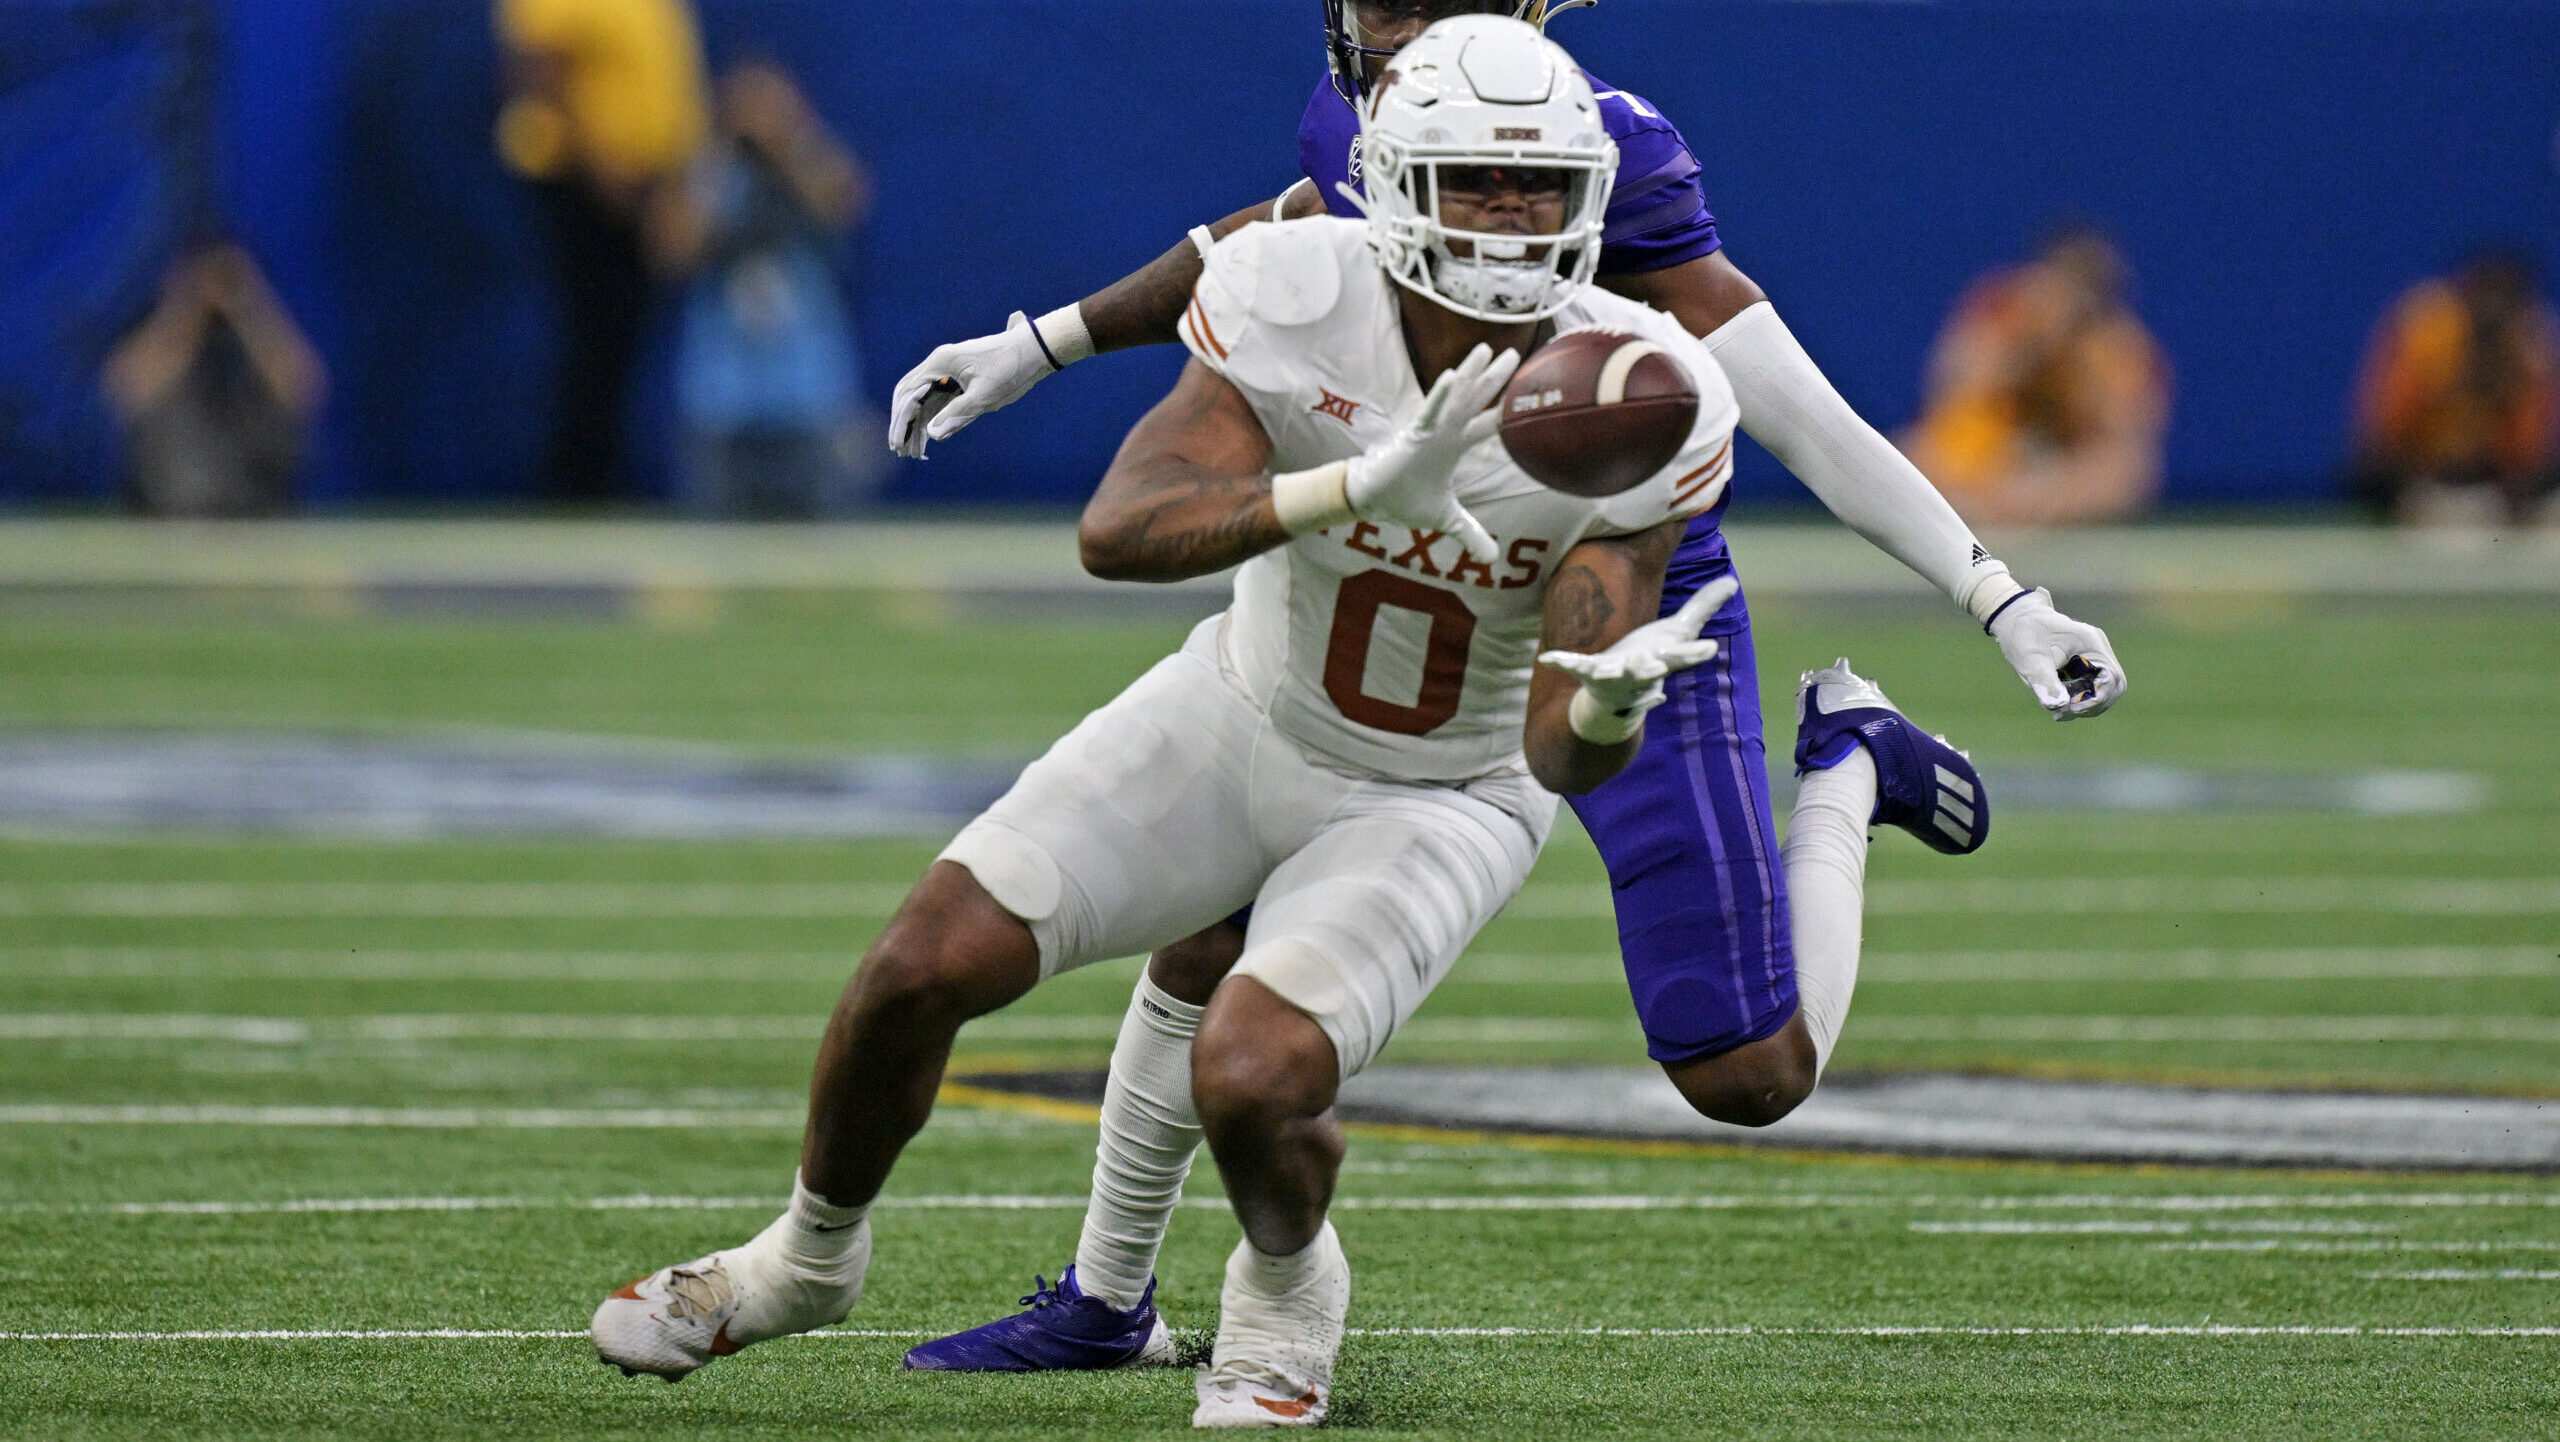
(816, 1234)
(1150, 1133)
(1270, 1277)
(1286, 1311)
(1826, 861)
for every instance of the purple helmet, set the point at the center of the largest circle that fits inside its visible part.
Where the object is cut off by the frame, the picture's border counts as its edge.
(1355, 29)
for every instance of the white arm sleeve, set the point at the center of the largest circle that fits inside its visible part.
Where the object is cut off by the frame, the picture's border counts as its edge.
(1789, 407)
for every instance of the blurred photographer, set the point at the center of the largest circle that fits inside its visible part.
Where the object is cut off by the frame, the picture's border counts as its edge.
(2048, 399)
(216, 391)
(2456, 409)
(767, 374)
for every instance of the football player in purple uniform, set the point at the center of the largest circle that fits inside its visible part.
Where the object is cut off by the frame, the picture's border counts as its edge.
(1741, 976)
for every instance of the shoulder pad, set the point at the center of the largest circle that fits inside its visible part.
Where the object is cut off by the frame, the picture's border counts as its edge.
(1291, 273)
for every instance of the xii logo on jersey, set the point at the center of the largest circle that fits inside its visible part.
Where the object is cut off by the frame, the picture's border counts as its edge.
(1338, 407)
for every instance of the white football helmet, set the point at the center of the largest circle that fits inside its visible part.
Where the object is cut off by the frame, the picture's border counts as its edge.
(1477, 91)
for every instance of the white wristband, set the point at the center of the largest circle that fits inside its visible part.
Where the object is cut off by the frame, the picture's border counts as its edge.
(1598, 726)
(1312, 500)
(1992, 587)
(1201, 240)
(1062, 336)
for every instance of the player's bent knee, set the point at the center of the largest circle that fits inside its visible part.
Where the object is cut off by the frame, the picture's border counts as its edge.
(1190, 969)
(950, 953)
(1258, 1061)
(1754, 1084)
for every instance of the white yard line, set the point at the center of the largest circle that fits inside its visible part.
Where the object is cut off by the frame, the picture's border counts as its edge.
(2336, 963)
(425, 1027)
(296, 1205)
(2134, 1330)
(343, 964)
(432, 1118)
(1502, 968)
(587, 899)
(549, 1026)
(2049, 1229)
(153, 1026)
(367, 1334)
(1496, 1202)
(2272, 1244)
(2310, 963)
(2501, 1274)
(2128, 1228)
(361, 1118)
(443, 1334)
(2115, 895)
(2455, 896)
(2526, 1030)
(483, 1026)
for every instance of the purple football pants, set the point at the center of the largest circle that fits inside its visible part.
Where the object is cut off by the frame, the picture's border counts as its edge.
(1692, 850)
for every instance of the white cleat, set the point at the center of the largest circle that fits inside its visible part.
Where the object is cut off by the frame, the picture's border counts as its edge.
(1249, 1394)
(679, 1318)
(1273, 1363)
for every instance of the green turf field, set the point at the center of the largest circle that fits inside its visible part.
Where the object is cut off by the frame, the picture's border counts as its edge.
(526, 1022)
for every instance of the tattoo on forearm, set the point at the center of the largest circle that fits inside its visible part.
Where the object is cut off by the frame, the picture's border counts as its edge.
(1203, 524)
(1579, 609)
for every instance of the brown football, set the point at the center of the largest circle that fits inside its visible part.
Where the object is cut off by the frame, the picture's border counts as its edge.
(1596, 412)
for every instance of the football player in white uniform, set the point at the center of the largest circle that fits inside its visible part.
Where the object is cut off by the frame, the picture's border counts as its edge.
(1741, 963)
(1365, 747)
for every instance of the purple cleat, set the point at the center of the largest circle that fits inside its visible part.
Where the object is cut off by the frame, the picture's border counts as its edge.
(1923, 785)
(1064, 1331)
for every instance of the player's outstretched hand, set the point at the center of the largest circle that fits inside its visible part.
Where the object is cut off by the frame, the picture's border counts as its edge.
(1405, 478)
(959, 383)
(2067, 663)
(1626, 680)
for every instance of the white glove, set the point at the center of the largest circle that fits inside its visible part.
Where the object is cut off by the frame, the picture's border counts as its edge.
(1622, 683)
(1405, 478)
(2067, 663)
(959, 383)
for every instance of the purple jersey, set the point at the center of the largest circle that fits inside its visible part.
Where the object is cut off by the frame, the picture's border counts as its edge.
(1657, 211)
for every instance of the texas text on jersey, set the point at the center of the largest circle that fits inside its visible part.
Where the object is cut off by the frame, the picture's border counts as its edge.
(1386, 648)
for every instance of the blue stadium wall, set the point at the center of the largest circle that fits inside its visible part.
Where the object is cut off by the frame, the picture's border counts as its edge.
(2276, 171)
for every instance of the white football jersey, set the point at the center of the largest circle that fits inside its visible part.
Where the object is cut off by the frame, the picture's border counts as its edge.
(1374, 646)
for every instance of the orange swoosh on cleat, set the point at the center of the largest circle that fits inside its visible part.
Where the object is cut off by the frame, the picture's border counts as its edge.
(631, 1290)
(721, 1346)
(1298, 1407)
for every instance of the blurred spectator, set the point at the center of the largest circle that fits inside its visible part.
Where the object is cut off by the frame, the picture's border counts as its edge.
(604, 108)
(2455, 410)
(2048, 399)
(767, 372)
(216, 390)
